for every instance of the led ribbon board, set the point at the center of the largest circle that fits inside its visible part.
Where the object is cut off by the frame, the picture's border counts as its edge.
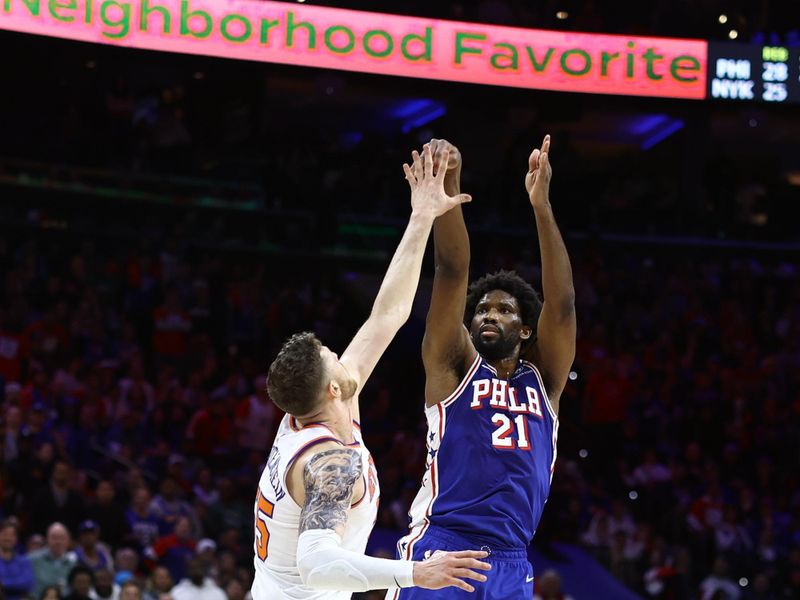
(367, 42)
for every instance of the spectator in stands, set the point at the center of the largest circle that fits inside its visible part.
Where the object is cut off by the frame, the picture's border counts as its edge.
(174, 549)
(661, 579)
(226, 566)
(718, 585)
(548, 587)
(160, 583)
(104, 586)
(108, 514)
(141, 519)
(12, 429)
(204, 490)
(126, 564)
(210, 428)
(136, 393)
(196, 586)
(206, 554)
(167, 507)
(90, 551)
(16, 572)
(35, 542)
(177, 469)
(255, 418)
(229, 512)
(53, 563)
(81, 581)
(130, 591)
(172, 325)
(235, 590)
(50, 593)
(57, 502)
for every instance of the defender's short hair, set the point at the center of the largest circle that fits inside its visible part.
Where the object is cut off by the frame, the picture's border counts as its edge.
(296, 376)
(530, 304)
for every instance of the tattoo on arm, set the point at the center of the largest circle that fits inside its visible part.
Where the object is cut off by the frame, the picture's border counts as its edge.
(329, 478)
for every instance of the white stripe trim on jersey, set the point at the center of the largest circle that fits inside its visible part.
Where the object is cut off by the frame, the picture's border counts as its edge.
(553, 415)
(460, 389)
(544, 389)
(555, 448)
(418, 532)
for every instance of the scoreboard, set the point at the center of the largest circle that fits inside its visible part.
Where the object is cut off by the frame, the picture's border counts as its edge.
(408, 46)
(740, 72)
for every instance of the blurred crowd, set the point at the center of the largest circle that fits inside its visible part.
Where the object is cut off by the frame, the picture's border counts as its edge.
(135, 421)
(684, 479)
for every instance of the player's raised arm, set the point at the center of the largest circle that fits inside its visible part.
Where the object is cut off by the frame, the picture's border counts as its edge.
(446, 347)
(556, 330)
(392, 306)
(329, 477)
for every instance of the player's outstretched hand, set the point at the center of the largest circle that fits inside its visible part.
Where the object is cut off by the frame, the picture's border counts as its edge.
(537, 180)
(427, 190)
(446, 569)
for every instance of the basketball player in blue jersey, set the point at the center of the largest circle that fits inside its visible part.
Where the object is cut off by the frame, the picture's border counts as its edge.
(491, 393)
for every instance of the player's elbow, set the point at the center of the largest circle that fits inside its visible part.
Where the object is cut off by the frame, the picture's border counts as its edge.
(566, 306)
(322, 567)
(308, 564)
(393, 318)
(452, 268)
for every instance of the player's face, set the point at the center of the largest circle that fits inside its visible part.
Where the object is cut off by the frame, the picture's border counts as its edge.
(497, 327)
(337, 372)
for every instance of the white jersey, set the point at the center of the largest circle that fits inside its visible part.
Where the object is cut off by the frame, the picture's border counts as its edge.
(277, 515)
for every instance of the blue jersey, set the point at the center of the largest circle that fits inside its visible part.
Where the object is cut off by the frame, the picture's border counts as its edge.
(491, 452)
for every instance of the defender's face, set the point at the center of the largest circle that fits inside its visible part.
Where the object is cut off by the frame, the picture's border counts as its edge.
(496, 326)
(336, 371)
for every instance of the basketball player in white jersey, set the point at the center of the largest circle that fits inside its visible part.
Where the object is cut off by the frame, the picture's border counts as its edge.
(318, 495)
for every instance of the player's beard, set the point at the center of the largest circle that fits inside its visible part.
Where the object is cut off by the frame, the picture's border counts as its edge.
(498, 348)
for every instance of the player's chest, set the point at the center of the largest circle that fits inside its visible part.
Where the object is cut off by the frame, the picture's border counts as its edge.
(505, 414)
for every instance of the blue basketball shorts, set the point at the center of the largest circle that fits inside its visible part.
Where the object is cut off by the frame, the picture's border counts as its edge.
(511, 576)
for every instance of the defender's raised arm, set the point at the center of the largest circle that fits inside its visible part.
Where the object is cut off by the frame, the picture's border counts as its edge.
(393, 304)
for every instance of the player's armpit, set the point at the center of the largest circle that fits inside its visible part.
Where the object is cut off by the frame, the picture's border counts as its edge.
(447, 350)
(446, 344)
(328, 480)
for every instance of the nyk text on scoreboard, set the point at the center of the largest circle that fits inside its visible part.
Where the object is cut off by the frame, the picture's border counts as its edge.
(757, 73)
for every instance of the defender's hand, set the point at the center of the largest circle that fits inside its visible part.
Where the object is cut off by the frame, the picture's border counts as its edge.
(446, 569)
(537, 181)
(427, 190)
